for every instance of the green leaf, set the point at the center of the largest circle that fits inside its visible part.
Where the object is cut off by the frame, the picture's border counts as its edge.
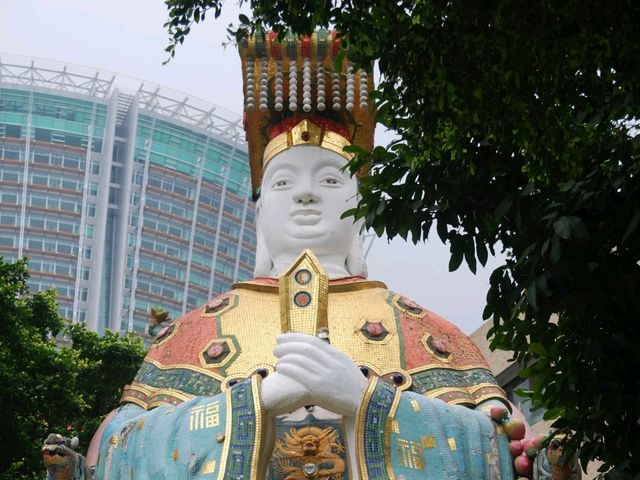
(337, 61)
(481, 250)
(562, 227)
(469, 253)
(556, 250)
(442, 229)
(487, 312)
(633, 224)
(456, 260)
(379, 228)
(538, 349)
(578, 228)
(531, 295)
(502, 208)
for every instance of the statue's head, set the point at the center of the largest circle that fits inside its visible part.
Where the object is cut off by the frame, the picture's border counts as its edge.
(300, 114)
(304, 192)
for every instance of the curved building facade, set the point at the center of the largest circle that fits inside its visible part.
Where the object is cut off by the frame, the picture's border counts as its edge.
(124, 196)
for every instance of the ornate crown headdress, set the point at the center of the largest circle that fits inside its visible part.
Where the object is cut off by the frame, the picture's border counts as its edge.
(294, 95)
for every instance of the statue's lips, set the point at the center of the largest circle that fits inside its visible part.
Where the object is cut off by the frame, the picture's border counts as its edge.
(306, 216)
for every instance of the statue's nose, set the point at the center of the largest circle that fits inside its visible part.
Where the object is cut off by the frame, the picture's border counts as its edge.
(306, 196)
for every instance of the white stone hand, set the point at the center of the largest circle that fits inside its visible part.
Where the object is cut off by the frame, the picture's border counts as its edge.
(330, 377)
(281, 394)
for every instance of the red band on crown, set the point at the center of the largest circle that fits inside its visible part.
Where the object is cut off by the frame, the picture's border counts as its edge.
(324, 123)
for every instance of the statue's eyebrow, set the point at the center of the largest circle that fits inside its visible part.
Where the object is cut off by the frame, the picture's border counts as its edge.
(270, 173)
(325, 162)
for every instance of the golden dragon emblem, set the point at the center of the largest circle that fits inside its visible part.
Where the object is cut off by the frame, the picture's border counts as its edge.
(309, 452)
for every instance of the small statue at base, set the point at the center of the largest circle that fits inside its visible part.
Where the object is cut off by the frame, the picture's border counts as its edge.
(61, 460)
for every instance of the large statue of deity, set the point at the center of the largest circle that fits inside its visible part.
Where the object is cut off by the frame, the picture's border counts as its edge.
(310, 370)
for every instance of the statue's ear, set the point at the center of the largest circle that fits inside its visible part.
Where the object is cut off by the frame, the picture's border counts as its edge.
(356, 263)
(264, 265)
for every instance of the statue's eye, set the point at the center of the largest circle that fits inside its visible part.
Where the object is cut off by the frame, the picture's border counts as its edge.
(281, 183)
(330, 181)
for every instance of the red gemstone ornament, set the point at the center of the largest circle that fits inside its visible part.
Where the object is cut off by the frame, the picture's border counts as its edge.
(302, 299)
(305, 46)
(275, 46)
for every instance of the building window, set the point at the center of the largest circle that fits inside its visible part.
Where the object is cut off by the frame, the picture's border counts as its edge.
(6, 241)
(10, 198)
(36, 222)
(9, 220)
(91, 210)
(85, 273)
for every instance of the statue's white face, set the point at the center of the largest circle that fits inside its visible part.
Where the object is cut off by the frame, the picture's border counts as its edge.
(304, 192)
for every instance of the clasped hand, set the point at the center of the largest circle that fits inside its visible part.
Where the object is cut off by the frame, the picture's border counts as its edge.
(309, 371)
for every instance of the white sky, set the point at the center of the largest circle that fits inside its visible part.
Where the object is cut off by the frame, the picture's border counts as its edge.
(127, 38)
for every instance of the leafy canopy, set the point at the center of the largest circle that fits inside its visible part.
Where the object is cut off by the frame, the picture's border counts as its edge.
(516, 131)
(48, 387)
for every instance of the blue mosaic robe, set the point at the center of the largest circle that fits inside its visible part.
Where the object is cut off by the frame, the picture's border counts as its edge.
(399, 435)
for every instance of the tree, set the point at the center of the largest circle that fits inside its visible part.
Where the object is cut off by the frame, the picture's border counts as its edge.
(47, 387)
(517, 125)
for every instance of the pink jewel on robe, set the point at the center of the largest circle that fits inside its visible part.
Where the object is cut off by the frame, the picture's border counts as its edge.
(216, 302)
(215, 350)
(410, 303)
(439, 346)
(375, 329)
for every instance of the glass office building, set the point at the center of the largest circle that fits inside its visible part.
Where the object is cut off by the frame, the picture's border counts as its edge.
(124, 195)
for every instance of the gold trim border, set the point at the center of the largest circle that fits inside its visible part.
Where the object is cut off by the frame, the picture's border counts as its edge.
(360, 416)
(152, 392)
(130, 399)
(316, 137)
(356, 286)
(425, 368)
(495, 396)
(335, 288)
(227, 436)
(387, 434)
(259, 416)
(186, 366)
(141, 387)
(468, 390)
(257, 403)
(175, 393)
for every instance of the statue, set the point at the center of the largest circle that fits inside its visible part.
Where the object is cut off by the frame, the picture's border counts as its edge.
(308, 371)
(61, 460)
